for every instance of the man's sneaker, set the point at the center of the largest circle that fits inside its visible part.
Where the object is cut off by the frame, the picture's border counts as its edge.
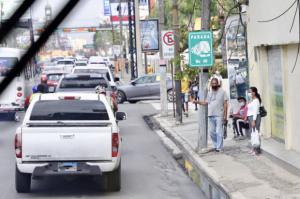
(186, 114)
(219, 150)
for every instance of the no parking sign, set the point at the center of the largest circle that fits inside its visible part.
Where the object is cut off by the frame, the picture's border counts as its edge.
(168, 44)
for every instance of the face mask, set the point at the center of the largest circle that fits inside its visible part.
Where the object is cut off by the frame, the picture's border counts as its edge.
(215, 87)
(250, 95)
(242, 103)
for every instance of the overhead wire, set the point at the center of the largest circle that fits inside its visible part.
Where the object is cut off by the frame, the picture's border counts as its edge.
(298, 50)
(283, 13)
(294, 17)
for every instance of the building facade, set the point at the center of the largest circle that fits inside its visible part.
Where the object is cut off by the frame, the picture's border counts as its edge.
(273, 41)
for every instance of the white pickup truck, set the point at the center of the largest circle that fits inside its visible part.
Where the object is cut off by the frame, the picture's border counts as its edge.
(69, 134)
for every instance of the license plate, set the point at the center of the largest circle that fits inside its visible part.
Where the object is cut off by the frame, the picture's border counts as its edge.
(67, 166)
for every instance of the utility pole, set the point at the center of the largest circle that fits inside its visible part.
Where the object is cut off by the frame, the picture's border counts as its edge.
(120, 60)
(203, 79)
(138, 47)
(130, 24)
(177, 65)
(163, 68)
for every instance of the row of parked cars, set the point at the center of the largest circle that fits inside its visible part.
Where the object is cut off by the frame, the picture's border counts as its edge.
(72, 131)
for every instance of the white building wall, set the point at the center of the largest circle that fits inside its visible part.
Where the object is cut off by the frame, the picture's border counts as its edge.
(275, 33)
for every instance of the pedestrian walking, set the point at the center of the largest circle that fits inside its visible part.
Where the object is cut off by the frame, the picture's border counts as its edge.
(194, 89)
(240, 120)
(217, 102)
(254, 117)
(185, 85)
(127, 66)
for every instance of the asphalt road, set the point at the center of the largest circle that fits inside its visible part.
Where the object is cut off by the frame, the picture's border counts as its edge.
(148, 170)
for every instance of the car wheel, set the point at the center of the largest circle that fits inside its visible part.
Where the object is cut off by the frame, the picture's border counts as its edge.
(171, 97)
(113, 180)
(22, 181)
(121, 97)
(133, 101)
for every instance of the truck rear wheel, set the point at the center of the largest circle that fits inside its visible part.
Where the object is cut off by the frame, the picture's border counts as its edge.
(113, 180)
(22, 181)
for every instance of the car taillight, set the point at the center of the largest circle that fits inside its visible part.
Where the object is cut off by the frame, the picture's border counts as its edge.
(115, 144)
(18, 145)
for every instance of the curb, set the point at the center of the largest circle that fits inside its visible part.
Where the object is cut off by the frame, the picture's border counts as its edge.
(205, 177)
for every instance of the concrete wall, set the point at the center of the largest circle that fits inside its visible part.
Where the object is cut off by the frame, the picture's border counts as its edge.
(261, 36)
(274, 32)
(259, 77)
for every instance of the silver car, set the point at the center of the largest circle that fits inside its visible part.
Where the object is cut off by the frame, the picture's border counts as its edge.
(146, 87)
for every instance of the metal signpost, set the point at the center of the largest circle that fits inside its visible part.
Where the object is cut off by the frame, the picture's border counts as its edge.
(168, 44)
(201, 55)
(168, 52)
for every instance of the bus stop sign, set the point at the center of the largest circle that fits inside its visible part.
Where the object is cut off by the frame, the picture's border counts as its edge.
(201, 49)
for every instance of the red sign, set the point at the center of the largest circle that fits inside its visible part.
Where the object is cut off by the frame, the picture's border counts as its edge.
(168, 38)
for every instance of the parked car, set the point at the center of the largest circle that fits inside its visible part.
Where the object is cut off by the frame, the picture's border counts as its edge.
(87, 142)
(146, 87)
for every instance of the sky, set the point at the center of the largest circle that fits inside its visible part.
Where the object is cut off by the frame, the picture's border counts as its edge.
(87, 13)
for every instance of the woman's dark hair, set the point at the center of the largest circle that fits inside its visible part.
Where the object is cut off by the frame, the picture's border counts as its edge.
(254, 90)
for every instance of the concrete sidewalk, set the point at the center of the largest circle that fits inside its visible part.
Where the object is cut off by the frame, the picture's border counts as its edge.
(233, 173)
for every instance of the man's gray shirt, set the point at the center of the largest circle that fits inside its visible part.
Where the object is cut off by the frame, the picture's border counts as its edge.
(216, 101)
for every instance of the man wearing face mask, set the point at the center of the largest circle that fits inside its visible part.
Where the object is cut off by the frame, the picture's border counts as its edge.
(240, 119)
(217, 102)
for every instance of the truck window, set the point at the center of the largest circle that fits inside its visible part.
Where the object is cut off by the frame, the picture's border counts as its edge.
(6, 64)
(82, 83)
(69, 110)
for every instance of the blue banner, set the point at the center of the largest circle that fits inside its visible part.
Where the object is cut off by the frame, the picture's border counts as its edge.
(106, 7)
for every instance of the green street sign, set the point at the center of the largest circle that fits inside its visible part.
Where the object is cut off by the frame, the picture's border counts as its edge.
(201, 49)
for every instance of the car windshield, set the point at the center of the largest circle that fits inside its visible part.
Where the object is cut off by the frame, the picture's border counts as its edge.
(65, 63)
(97, 71)
(69, 110)
(81, 64)
(6, 64)
(82, 82)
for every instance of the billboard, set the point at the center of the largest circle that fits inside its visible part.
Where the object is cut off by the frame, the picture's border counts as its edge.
(106, 7)
(149, 35)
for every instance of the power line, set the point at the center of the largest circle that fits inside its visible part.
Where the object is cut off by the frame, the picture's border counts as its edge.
(298, 50)
(294, 17)
(269, 20)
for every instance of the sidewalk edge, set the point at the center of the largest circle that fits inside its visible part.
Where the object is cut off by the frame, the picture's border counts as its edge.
(209, 181)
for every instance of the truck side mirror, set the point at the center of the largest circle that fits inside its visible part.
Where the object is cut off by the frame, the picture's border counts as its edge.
(121, 116)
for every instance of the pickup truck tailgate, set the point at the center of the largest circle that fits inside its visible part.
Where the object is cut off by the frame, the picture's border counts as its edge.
(66, 143)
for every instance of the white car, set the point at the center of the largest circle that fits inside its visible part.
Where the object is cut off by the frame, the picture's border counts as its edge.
(98, 69)
(67, 64)
(97, 60)
(69, 134)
